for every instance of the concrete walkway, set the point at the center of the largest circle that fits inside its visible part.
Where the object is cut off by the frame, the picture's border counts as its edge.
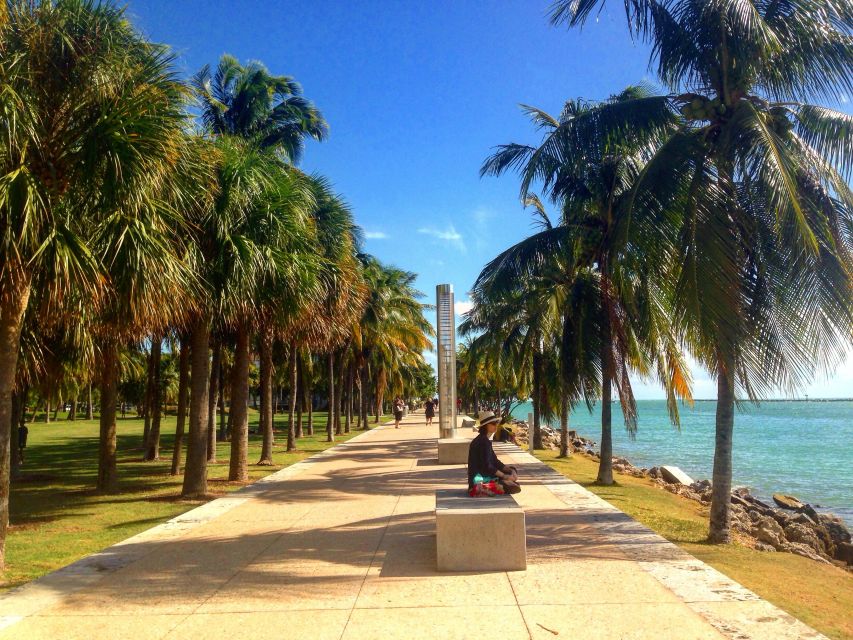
(342, 545)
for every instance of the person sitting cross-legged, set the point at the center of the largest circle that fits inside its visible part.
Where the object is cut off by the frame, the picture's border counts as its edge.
(486, 474)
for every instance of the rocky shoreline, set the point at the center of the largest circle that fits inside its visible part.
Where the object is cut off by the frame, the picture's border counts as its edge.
(790, 526)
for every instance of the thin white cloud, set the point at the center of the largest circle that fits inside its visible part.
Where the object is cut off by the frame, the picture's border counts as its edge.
(462, 306)
(375, 235)
(483, 219)
(450, 234)
(482, 215)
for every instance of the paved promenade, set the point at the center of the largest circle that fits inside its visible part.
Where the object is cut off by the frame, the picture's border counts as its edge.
(342, 545)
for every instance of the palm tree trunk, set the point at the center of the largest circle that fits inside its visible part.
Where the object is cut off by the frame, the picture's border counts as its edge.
(223, 429)
(266, 397)
(358, 399)
(90, 410)
(500, 391)
(300, 394)
(300, 411)
(59, 403)
(14, 294)
(47, 408)
(330, 419)
(536, 440)
(183, 384)
(564, 426)
(721, 481)
(309, 396)
(476, 407)
(149, 397)
(350, 385)
(605, 465)
(380, 392)
(294, 379)
(152, 444)
(18, 410)
(213, 400)
(364, 398)
(338, 395)
(195, 473)
(72, 411)
(107, 471)
(238, 469)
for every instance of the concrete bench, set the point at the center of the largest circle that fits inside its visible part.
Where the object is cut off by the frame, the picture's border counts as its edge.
(453, 450)
(479, 534)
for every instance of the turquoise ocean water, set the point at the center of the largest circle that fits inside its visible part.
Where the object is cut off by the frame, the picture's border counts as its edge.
(800, 448)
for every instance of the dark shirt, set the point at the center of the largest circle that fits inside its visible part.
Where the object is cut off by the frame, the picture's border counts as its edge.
(482, 459)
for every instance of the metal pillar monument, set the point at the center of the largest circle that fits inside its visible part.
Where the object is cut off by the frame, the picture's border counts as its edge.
(445, 330)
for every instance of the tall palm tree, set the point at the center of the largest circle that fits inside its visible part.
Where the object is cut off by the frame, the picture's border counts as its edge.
(588, 163)
(755, 181)
(139, 247)
(341, 295)
(73, 151)
(392, 332)
(269, 114)
(248, 102)
(278, 233)
(255, 234)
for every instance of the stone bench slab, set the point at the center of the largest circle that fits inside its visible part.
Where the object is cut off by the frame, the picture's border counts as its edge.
(479, 534)
(453, 450)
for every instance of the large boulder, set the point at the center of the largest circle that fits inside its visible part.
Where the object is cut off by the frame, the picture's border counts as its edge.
(802, 534)
(701, 486)
(809, 511)
(787, 502)
(768, 531)
(802, 518)
(741, 519)
(844, 552)
(838, 531)
(805, 551)
(674, 475)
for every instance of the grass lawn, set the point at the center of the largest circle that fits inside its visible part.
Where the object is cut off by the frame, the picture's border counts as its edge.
(57, 517)
(819, 595)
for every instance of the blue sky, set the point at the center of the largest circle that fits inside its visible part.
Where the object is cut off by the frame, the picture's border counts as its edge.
(416, 94)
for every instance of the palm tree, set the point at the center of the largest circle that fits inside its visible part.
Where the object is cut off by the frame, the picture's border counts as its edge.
(72, 151)
(278, 238)
(392, 332)
(341, 296)
(255, 234)
(248, 102)
(270, 115)
(588, 163)
(139, 248)
(754, 180)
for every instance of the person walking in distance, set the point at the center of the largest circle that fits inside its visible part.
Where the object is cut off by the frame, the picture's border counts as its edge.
(430, 411)
(23, 432)
(398, 411)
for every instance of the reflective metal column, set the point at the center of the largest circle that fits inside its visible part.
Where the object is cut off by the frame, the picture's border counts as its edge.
(446, 343)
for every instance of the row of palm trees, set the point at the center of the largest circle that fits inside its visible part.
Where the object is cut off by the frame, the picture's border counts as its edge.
(715, 219)
(127, 222)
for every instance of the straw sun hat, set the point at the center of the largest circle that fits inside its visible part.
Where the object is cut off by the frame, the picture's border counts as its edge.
(487, 417)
